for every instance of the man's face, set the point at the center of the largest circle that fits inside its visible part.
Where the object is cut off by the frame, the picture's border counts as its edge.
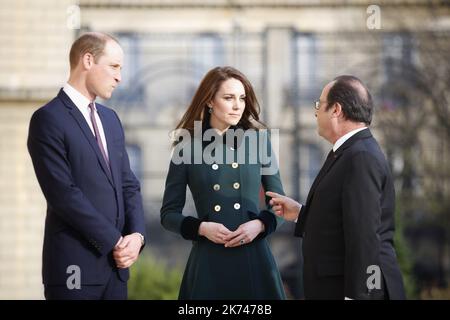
(104, 75)
(324, 117)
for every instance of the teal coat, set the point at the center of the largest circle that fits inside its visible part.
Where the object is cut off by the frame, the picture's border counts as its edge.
(226, 193)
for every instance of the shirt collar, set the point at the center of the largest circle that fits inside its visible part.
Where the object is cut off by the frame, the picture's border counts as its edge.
(345, 137)
(77, 98)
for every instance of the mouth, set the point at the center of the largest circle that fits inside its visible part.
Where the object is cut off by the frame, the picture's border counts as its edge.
(234, 115)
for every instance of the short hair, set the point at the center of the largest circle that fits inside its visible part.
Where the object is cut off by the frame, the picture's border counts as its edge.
(89, 42)
(353, 96)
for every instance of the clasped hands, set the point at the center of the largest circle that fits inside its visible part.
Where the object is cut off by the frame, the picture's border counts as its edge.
(282, 206)
(218, 233)
(127, 249)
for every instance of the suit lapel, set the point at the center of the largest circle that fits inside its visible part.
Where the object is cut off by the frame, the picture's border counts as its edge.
(331, 160)
(79, 118)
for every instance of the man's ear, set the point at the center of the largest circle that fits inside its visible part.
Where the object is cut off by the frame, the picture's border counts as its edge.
(337, 110)
(87, 60)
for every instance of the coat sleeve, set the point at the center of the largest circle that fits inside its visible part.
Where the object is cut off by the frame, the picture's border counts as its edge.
(362, 190)
(131, 189)
(46, 146)
(174, 199)
(270, 180)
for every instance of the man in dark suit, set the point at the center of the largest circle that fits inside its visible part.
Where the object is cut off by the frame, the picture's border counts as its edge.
(347, 223)
(95, 223)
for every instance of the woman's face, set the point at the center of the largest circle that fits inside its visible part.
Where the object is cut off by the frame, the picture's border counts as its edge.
(228, 105)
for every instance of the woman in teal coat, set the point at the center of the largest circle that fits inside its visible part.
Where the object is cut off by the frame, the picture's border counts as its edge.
(230, 256)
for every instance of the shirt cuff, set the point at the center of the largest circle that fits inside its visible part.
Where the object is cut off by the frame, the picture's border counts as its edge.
(142, 238)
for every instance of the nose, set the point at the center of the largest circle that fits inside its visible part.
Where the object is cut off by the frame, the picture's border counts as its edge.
(118, 77)
(238, 104)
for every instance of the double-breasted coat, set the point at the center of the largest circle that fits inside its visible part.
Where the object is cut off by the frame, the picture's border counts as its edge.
(226, 193)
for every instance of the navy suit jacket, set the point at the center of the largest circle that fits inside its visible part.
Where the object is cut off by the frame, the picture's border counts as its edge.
(88, 206)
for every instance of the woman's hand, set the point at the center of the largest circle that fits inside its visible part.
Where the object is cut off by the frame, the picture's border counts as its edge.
(245, 233)
(215, 232)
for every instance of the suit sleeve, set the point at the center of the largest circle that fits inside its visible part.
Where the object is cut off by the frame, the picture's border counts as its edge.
(134, 211)
(361, 208)
(270, 180)
(46, 145)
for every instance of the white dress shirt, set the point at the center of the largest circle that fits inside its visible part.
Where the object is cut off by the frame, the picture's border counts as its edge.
(345, 137)
(82, 103)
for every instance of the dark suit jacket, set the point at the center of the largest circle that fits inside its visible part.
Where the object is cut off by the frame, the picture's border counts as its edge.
(347, 225)
(88, 206)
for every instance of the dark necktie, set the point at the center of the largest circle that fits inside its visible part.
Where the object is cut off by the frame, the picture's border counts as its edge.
(97, 134)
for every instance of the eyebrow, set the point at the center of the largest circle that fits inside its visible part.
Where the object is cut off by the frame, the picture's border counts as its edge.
(115, 64)
(232, 94)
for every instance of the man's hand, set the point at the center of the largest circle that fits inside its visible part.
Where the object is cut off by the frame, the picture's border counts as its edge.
(216, 232)
(245, 233)
(284, 207)
(127, 250)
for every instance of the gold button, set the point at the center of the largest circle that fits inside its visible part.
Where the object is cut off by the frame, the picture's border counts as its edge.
(217, 208)
(236, 185)
(216, 187)
(237, 206)
(215, 166)
(234, 165)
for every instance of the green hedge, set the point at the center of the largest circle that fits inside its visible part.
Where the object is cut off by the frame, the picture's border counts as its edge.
(153, 280)
(405, 256)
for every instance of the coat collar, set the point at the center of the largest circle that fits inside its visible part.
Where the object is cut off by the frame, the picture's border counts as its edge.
(207, 125)
(363, 134)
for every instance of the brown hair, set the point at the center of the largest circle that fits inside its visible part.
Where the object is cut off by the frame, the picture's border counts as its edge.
(206, 91)
(89, 42)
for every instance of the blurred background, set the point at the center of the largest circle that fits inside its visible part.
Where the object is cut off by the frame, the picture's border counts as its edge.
(289, 50)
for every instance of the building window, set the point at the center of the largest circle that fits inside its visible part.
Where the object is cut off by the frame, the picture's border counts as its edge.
(207, 51)
(398, 54)
(306, 73)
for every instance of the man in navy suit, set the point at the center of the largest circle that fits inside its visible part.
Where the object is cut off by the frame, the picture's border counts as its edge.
(95, 223)
(347, 222)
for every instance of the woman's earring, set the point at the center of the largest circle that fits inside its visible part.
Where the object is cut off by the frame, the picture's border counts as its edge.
(210, 110)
